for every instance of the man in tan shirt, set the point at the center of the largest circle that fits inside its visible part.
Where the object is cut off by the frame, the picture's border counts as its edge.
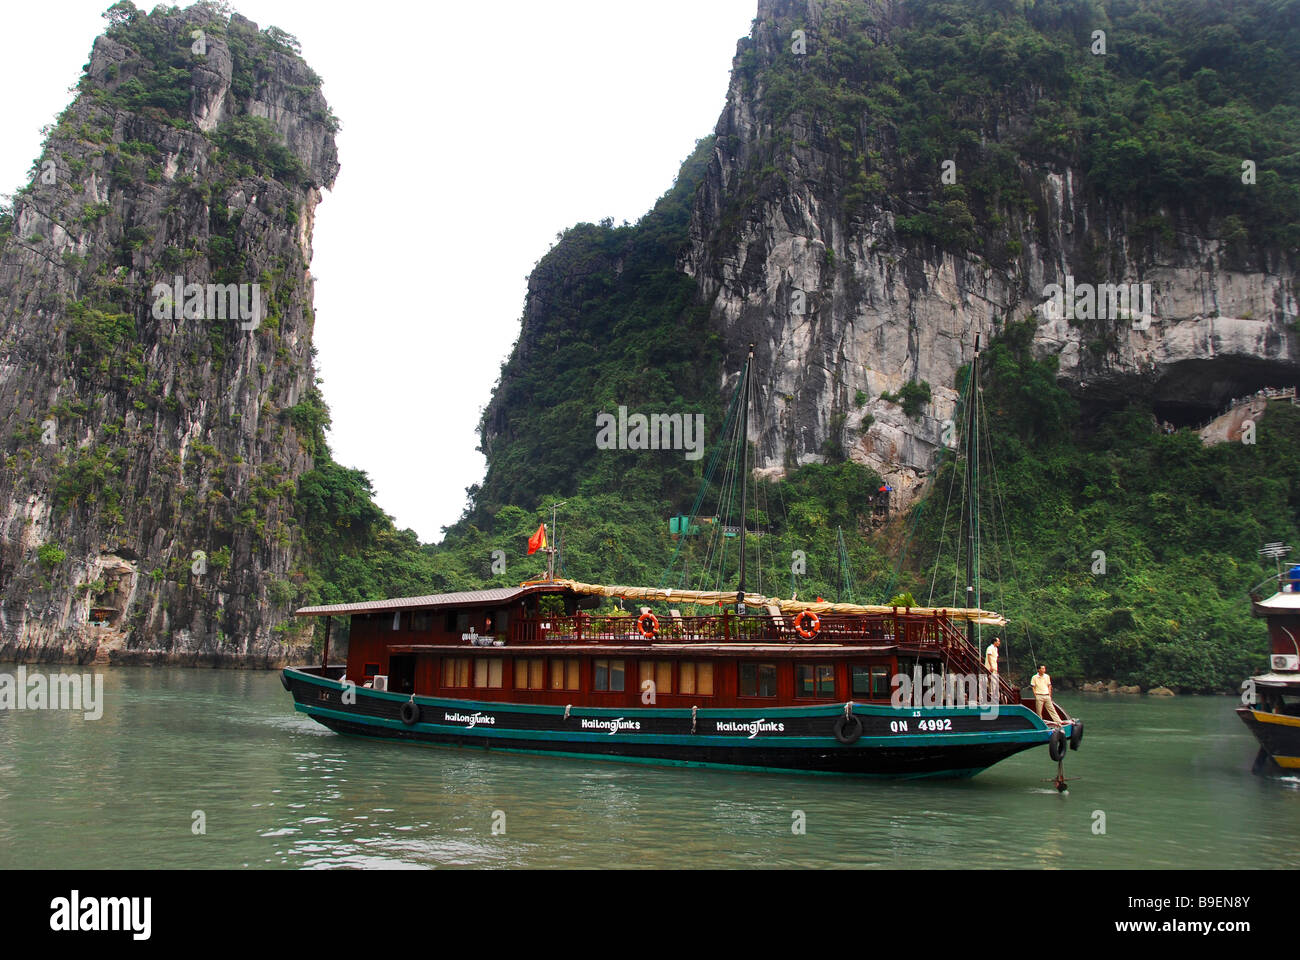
(1042, 684)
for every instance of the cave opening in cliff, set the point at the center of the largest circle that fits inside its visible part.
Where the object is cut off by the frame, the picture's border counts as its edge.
(1194, 392)
(1182, 414)
(1190, 394)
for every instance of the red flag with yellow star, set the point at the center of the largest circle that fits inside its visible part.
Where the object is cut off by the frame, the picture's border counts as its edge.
(537, 541)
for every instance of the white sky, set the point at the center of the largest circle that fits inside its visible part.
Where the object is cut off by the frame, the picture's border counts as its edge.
(466, 145)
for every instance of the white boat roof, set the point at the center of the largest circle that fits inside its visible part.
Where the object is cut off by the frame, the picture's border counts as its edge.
(1281, 602)
(465, 598)
(1277, 679)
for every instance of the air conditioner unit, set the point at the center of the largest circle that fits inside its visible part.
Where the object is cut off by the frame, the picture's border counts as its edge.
(1286, 661)
(379, 682)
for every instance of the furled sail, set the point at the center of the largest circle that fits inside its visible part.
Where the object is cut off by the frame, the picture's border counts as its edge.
(725, 598)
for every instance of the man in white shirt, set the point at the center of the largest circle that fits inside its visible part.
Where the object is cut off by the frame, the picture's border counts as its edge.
(991, 656)
(1042, 684)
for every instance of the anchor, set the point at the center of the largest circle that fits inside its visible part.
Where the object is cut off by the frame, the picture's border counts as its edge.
(1060, 780)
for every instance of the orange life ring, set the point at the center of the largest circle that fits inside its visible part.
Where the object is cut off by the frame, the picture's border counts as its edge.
(648, 624)
(807, 624)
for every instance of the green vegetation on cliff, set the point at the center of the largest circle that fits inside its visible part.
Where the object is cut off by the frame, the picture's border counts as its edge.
(157, 79)
(1162, 120)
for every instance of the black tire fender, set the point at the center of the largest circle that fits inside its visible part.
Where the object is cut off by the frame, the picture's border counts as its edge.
(410, 713)
(1056, 745)
(847, 729)
(1076, 735)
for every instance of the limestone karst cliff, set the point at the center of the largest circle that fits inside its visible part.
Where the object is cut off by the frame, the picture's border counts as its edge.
(157, 394)
(826, 231)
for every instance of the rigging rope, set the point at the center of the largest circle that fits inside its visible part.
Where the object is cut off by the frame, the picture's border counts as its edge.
(699, 497)
(1011, 561)
(943, 533)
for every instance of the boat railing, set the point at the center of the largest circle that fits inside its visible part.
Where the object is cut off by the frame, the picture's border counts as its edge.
(334, 671)
(882, 630)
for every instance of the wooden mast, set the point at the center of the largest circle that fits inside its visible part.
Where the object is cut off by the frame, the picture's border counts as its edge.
(972, 479)
(744, 475)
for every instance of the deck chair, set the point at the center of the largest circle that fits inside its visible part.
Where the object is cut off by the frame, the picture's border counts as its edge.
(779, 622)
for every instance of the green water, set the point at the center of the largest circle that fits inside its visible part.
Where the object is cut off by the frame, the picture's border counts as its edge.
(277, 790)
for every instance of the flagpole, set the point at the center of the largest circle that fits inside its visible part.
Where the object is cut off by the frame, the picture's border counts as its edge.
(553, 544)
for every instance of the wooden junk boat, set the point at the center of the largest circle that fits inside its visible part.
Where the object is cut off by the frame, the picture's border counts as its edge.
(809, 687)
(760, 684)
(1271, 704)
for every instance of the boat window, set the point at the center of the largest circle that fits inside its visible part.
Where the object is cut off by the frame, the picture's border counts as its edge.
(564, 673)
(814, 680)
(859, 681)
(370, 670)
(870, 682)
(758, 679)
(608, 674)
(455, 671)
(696, 677)
(880, 683)
(422, 620)
(658, 672)
(487, 672)
(528, 673)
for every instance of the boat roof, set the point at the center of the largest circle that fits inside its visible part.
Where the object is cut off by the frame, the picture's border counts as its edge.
(1280, 603)
(1277, 679)
(433, 601)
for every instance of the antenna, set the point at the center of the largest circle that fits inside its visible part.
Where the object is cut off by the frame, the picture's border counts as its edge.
(1276, 550)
